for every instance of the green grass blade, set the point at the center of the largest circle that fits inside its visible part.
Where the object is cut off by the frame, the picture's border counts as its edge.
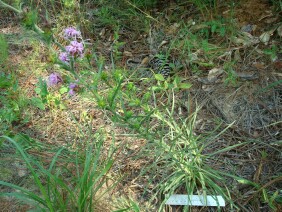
(25, 193)
(35, 176)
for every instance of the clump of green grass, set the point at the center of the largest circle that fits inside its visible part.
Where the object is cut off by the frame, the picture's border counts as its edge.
(179, 158)
(78, 185)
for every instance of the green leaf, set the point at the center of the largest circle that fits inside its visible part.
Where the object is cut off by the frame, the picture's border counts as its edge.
(62, 106)
(30, 19)
(222, 31)
(177, 80)
(37, 90)
(57, 102)
(135, 102)
(156, 88)
(185, 85)
(37, 102)
(128, 114)
(102, 103)
(134, 206)
(213, 28)
(159, 77)
(104, 76)
(248, 182)
(63, 90)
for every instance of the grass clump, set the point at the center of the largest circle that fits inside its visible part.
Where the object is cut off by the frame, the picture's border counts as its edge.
(71, 180)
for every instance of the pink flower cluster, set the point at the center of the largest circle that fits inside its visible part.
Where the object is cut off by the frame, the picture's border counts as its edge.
(54, 79)
(64, 57)
(72, 86)
(71, 33)
(75, 49)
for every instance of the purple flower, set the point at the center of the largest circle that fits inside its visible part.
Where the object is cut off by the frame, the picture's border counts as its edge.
(54, 79)
(64, 57)
(72, 85)
(71, 92)
(75, 48)
(71, 32)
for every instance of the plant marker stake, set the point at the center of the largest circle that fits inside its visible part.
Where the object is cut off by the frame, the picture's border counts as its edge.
(195, 200)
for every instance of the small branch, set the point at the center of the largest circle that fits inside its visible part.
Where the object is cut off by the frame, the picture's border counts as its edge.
(3, 4)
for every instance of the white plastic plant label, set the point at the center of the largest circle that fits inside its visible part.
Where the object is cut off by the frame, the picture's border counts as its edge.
(195, 200)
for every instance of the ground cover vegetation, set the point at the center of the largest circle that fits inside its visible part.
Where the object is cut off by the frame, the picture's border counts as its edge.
(116, 105)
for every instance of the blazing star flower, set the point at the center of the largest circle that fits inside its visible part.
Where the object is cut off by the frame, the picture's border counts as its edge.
(71, 32)
(64, 57)
(75, 48)
(71, 92)
(54, 79)
(72, 85)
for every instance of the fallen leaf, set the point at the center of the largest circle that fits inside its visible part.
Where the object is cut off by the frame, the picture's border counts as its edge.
(225, 55)
(271, 20)
(207, 88)
(102, 33)
(173, 29)
(248, 28)
(193, 57)
(265, 37)
(247, 75)
(127, 54)
(246, 39)
(214, 74)
(237, 55)
(259, 65)
(278, 65)
(164, 42)
(145, 61)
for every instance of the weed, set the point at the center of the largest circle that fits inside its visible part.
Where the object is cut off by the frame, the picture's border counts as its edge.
(231, 78)
(12, 104)
(116, 46)
(3, 49)
(272, 52)
(180, 154)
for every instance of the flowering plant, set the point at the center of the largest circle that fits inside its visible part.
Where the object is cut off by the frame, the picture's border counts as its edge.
(54, 79)
(64, 57)
(71, 33)
(75, 49)
(72, 51)
(72, 87)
